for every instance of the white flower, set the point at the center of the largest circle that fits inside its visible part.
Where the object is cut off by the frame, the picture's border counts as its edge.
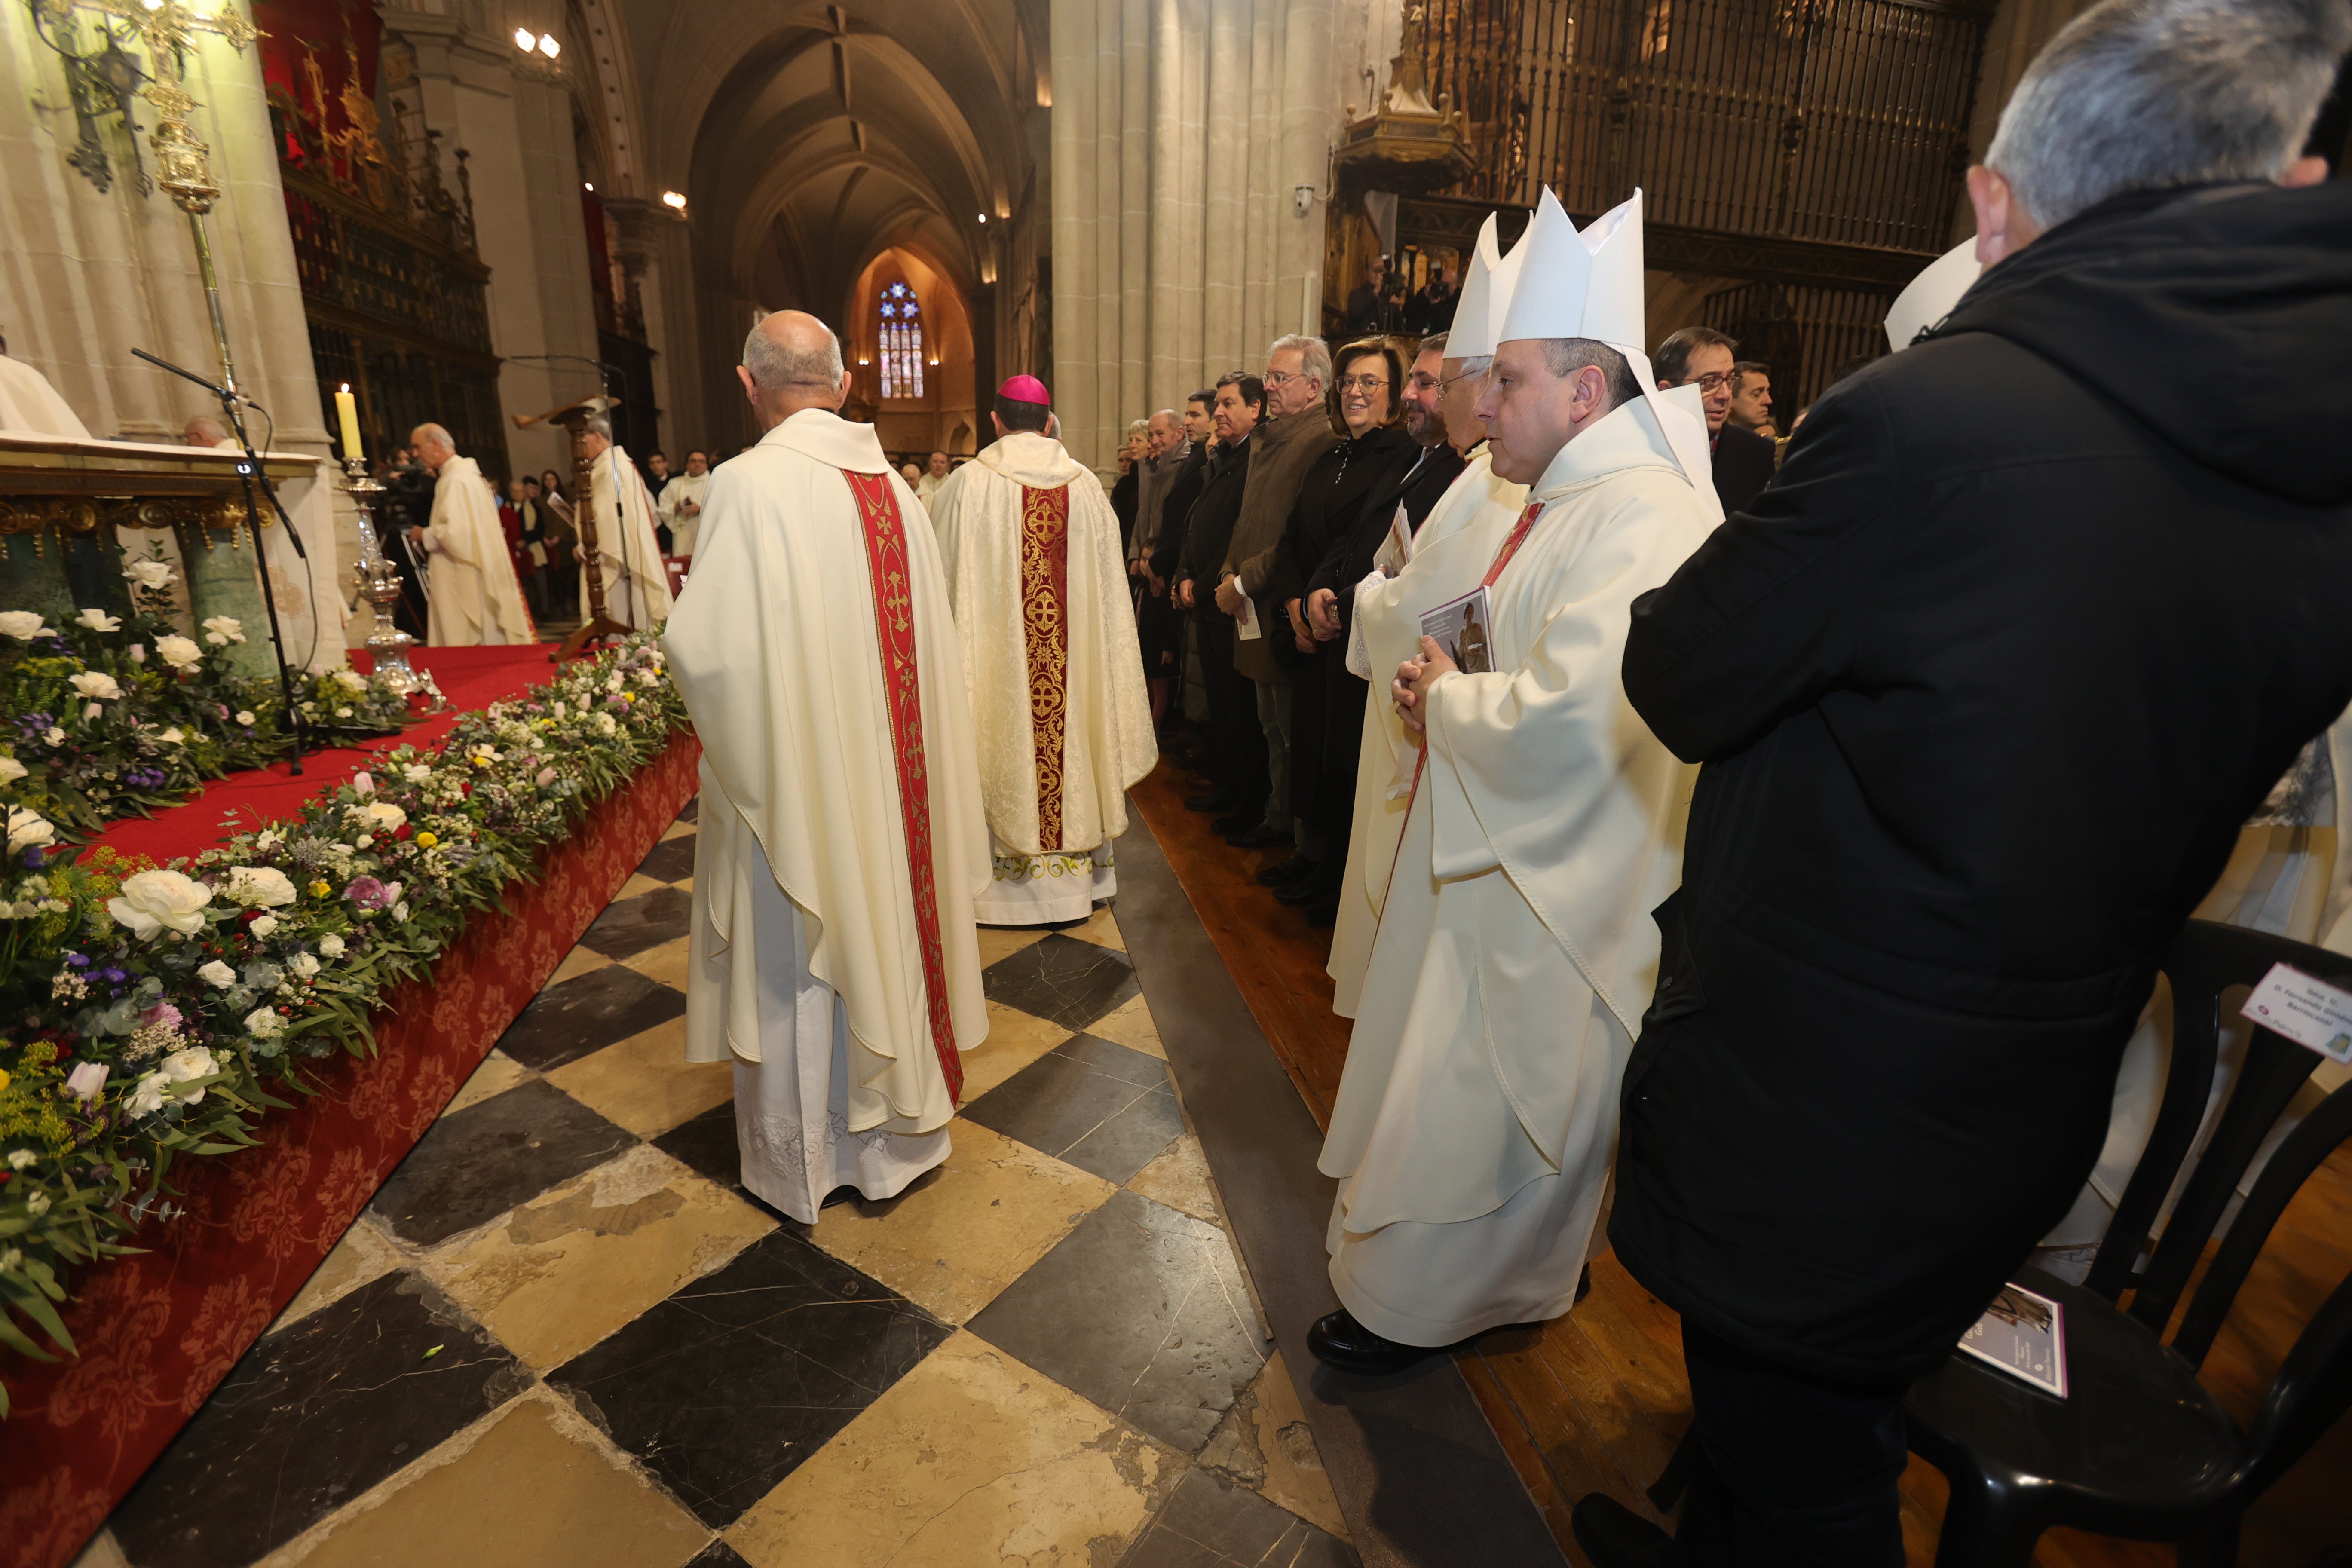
(363, 784)
(331, 945)
(149, 573)
(364, 840)
(95, 711)
(146, 1096)
(186, 1066)
(263, 925)
(350, 680)
(264, 1024)
(378, 816)
(303, 965)
(559, 709)
(244, 716)
(20, 1159)
(417, 772)
(172, 737)
(227, 628)
(343, 712)
(55, 736)
(28, 829)
(24, 624)
(216, 639)
(155, 900)
(97, 683)
(11, 770)
(259, 887)
(87, 1081)
(138, 653)
(37, 1205)
(604, 724)
(12, 1259)
(98, 621)
(179, 652)
(217, 974)
(400, 911)
(266, 837)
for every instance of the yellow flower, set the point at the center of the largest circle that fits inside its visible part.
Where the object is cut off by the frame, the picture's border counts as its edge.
(630, 698)
(319, 889)
(4, 1078)
(427, 840)
(481, 761)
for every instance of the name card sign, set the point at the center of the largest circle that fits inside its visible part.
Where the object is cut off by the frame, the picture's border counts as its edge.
(2305, 1009)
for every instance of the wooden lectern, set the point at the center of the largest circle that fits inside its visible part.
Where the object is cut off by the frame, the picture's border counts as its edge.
(574, 416)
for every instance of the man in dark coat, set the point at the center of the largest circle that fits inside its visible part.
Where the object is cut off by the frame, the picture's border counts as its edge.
(1741, 459)
(1984, 685)
(1235, 760)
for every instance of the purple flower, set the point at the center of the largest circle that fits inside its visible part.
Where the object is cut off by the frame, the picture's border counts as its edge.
(112, 975)
(369, 893)
(77, 959)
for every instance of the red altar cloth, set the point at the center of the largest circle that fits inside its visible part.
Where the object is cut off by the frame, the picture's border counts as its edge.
(471, 677)
(158, 1330)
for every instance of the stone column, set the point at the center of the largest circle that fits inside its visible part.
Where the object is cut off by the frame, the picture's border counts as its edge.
(1076, 281)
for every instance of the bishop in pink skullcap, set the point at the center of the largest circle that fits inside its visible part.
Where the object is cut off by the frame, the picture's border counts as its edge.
(1026, 389)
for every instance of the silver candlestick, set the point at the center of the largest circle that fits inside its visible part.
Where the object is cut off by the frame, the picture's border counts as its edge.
(378, 584)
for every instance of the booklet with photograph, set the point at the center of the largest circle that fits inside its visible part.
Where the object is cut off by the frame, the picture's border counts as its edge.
(1396, 551)
(1464, 628)
(2025, 1336)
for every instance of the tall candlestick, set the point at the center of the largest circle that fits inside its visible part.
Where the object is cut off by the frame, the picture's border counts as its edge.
(348, 408)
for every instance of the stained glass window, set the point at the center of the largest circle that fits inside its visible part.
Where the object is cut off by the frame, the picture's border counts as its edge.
(902, 342)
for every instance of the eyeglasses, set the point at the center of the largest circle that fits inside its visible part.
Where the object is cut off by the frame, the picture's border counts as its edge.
(1278, 378)
(1362, 382)
(1716, 380)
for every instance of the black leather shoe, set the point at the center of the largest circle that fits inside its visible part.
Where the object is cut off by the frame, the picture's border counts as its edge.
(1284, 873)
(1614, 1536)
(1215, 800)
(840, 1195)
(1236, 822)
(1583, 1286)
(1260, 837)
(1338, 1341)
(1307, 890)
(1324, 915)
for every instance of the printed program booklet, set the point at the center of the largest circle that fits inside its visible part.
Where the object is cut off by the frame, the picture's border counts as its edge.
(1463, 628)
(2024, 1334)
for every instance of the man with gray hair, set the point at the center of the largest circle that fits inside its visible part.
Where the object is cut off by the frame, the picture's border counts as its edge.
(2035, 613)
(832, 957)
(1297, 431)
(628, 552)
(474, 599)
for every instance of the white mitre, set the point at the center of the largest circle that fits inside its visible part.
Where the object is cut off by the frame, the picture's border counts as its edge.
(1486, 287)
(1930, 297)
(1590, 285)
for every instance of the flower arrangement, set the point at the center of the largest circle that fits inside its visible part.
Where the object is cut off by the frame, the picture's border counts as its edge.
(154, 1013)
(115, 716)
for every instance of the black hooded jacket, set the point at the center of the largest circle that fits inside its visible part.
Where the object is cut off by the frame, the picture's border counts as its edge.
(2033, 616)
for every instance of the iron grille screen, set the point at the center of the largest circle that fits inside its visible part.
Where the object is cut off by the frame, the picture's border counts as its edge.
(1802, 334)
(1843, 121)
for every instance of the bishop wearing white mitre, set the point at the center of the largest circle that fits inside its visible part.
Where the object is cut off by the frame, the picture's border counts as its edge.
(832, 958)
(471, 593)
(1385, 762)
(637, 583)
(1033, 570)
(1478, 1115)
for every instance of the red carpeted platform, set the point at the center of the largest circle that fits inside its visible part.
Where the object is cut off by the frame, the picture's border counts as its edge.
(160, 1328)
(470, 677)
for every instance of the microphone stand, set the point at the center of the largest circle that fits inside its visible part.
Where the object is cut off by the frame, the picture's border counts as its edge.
(250, 474)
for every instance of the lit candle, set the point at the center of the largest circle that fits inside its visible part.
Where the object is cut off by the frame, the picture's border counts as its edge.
(348, 408)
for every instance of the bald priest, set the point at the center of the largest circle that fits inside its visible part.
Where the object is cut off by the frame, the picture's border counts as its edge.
(470, 589)
(1033, 558)
(832, 956)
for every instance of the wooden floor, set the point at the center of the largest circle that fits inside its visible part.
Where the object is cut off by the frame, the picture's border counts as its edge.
(1596, 1400)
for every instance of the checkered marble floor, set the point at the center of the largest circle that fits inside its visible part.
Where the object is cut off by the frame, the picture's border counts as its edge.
(562, 1334)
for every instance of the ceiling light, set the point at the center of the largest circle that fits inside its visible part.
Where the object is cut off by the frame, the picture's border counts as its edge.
(549, 47)
(587, 185)
(525, 39)
(674, 200)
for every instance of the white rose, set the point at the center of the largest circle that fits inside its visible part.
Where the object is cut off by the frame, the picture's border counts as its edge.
(179, 652)
(604, 724)
(23, 624)
(244, 716)
(400, 911)
(559, 709)
(417, 772)
(264, 1024)
(263, 925)
(343, 712)
(259, 887)
(149, 573)
(146, 1096)
(228, 628)
(55, 736)
(378, 816)
(172, 737)
(217, 974)
(154, 900)
(350, 680)
(331, 945)
(303, 965)
(185, 1066)
(21, 1159)
(97, 683)
(138, 653)
(216, 639)
(11, 770)
(98, 621)
(95, 711)
(28, 829)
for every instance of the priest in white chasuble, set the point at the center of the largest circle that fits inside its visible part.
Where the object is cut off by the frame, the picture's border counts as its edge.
(470, 591)
(1476, 1116)
(832, 958)
(637, 583)
(1032, 550)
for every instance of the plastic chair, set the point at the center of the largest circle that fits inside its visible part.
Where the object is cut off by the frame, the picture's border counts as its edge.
(2140, 1448)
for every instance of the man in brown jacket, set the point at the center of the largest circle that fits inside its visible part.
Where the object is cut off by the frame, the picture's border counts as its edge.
(1297, 432)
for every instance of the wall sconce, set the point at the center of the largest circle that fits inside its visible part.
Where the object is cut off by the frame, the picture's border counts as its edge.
(525, 39)
(1302, 199)
(675, 200)
(549, 47)
(983, 217)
